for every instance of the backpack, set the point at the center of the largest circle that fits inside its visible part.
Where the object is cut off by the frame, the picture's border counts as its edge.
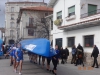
(73, 51)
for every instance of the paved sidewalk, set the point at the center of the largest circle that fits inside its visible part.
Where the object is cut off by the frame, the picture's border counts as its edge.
(28, 68)
(32, 69)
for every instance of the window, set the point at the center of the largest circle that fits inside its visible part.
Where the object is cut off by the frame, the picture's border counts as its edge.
(11, 33)
(12, 16)
(59, 42)
(59, 15)
(12, 24)
(30, 32)
(31, 20)
(92, 9)
(71, 11)
(71, 41)
(12, 9)
(89, 41)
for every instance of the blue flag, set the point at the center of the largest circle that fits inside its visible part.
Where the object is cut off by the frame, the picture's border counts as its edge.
(38, 46)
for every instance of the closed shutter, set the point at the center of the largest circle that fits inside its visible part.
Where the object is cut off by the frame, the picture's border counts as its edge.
(92, 9)
(59, 15)
(71, 9)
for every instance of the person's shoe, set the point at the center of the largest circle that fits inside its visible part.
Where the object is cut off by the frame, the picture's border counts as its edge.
(20, 73)
(10, 64)
(92, 66)
(47, 69)
(75, 65)
(15, 71)
(96, 67)
(52, 71)
(55, 74)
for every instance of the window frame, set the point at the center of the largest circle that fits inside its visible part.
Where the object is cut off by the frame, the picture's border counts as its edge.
(91, 12)
(31, 21)
(72, 13)
(12, 9)
(89, 38)
(12, 24)
(68, 40)
(59, 17)
(12, 16)
(11, 33)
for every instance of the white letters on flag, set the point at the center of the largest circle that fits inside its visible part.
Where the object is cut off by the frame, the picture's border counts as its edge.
(30, 47)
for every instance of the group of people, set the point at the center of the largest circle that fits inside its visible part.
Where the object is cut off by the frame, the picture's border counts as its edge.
(78, 55)
(16, 56)
(55, 59)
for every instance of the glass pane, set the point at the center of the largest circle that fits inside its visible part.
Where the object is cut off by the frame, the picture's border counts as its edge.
(92, 9)
(59, 13)
(71, 9)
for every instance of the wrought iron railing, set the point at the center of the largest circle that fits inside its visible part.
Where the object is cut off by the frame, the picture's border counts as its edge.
(90, 13)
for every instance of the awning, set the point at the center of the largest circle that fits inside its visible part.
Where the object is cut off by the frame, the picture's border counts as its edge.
(81, 25)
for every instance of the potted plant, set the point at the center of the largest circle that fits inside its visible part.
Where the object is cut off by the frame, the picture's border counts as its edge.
(58, 22)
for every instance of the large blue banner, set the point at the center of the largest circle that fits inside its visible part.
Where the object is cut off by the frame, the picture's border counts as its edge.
(38, 46)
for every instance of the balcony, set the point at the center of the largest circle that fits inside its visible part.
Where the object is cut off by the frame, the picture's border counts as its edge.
(90, 15)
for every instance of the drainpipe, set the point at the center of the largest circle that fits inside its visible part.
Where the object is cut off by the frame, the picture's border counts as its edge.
(64, 12)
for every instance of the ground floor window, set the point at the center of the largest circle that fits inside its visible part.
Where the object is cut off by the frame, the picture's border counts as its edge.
(59, 42)
(71, 41)
(89, 41)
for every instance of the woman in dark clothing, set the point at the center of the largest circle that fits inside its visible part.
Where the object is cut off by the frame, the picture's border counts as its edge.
(74, 50)
(95, 55)
(80, 55)
(66, 51)
(55, 59)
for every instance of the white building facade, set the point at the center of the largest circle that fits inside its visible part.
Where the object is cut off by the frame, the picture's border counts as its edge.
(80, 23)
(32, 22)
(11, 15)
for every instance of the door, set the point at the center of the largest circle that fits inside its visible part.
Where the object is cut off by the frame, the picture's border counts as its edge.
(59, 42)
(92, 9)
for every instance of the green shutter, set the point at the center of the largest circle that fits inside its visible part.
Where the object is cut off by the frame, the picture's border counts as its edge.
(92, 9)
(71, 9)
(59, 13)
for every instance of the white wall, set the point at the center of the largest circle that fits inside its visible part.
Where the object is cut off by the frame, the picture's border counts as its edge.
(78, 34)
(77, 11)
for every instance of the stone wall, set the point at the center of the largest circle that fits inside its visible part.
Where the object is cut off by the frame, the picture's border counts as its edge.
(87, 59)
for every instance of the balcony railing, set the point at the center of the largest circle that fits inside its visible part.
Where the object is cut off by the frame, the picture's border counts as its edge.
(90, 13)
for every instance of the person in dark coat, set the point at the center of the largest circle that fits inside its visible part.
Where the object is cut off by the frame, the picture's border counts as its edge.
(62, 54)
(95, 53)
(66, 51)
(74, 51)
(55, 59)
(80, 55)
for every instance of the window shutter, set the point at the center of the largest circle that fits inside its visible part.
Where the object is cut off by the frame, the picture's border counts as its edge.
(71, 9)
(92, 9)
(59, 13)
